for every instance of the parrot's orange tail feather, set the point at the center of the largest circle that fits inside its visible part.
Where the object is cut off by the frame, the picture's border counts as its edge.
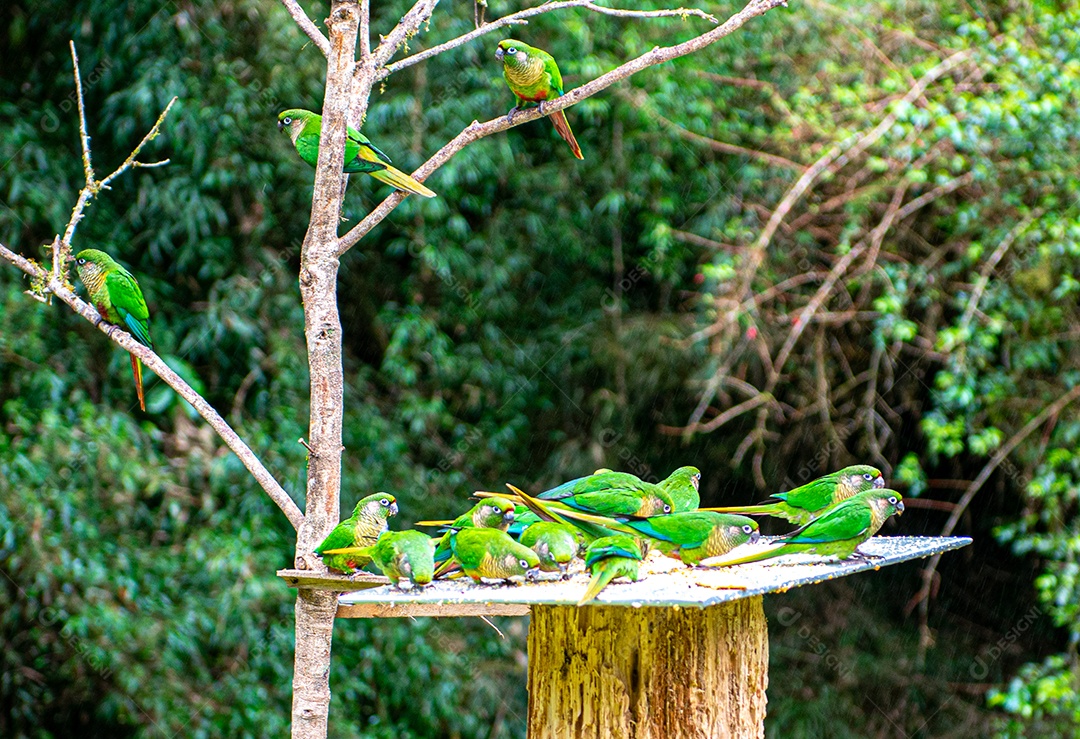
(136, 369)
(563, 127)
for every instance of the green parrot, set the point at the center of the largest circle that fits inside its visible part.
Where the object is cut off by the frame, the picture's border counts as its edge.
(490, 513)
(690, 536)
(117, 297)
(611, 494)
(682, 487)
(610, 557)
(359, 531)
(802, 504)
(556, 544)
(405, 555)
(837, 532)
(534, 78)
(490, 554)
(304, 128)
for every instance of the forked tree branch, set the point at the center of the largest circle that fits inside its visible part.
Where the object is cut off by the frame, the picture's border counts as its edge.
(476, 130)
(55, 282)
(310, 29)
(521, 18)
(50, 283)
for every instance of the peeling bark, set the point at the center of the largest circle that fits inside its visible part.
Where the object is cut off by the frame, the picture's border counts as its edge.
(648, 673)
(322, 328)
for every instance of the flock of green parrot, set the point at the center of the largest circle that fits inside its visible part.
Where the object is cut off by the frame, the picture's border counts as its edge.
(533, 77)
(611, 520)
(608, 519)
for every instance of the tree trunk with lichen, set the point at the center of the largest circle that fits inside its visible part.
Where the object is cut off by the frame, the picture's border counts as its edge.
(322, 327)
(648, 673)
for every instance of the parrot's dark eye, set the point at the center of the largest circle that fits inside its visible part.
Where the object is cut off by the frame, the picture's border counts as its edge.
(868, 476)
(893, 500)
(384, 502)
(667, 509)
(286, 120)
(511, 50)
(748, 529)
(81, 261)
(524, 563)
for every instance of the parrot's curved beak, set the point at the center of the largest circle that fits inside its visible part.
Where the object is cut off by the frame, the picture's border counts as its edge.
(754, 537)
(532, 573)
(879, 482)
(393, 509)
(280, 125)
(508, 517)
(900, 508)
(562, 570)
(499, 54)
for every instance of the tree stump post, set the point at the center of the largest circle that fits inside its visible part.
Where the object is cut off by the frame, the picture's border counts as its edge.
(648, 673)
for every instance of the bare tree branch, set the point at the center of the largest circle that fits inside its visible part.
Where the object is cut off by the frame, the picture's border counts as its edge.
(843, 151)
(476, 130)
(54, 285)
(408, 26)
(521, 18)
(928, 575)
(984, 275)
(639, 99)
(307, 26)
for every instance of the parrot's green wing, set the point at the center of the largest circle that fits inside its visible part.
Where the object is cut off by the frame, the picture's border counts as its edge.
(360, 140)
(342, 536)
(689, 529)
(361, 551)
(127, 300)
(613, 546)
(841, 523)
(813, 496)
(553, 73)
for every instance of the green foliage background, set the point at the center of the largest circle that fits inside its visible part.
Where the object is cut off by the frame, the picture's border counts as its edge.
(530, 324)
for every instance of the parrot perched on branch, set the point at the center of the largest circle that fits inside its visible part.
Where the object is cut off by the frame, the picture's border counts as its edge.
(802, 504)
(556, 544)
(304, 128)
(609, 557)
(837, 532)
(490, 554)
(534, 78)
(359, 531)
(117, 297)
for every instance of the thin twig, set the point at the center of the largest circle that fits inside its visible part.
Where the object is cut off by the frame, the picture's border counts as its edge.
(53, 285)
(130, 161)
(640, 101)
(991, 263)
(476, 130)
(521, 18)
(408, 25)
(845, 150)
(307, 26)
(84, 137)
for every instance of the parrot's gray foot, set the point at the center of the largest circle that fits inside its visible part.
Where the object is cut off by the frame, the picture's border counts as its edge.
(541, 107)
(511, 114)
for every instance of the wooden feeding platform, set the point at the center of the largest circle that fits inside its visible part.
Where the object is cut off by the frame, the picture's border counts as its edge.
(684, 652)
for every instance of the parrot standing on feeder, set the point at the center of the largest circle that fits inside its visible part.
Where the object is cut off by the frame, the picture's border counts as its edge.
(802, 504)
(610, 557)
(837, 532)
(490, 554)
(359, 531)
